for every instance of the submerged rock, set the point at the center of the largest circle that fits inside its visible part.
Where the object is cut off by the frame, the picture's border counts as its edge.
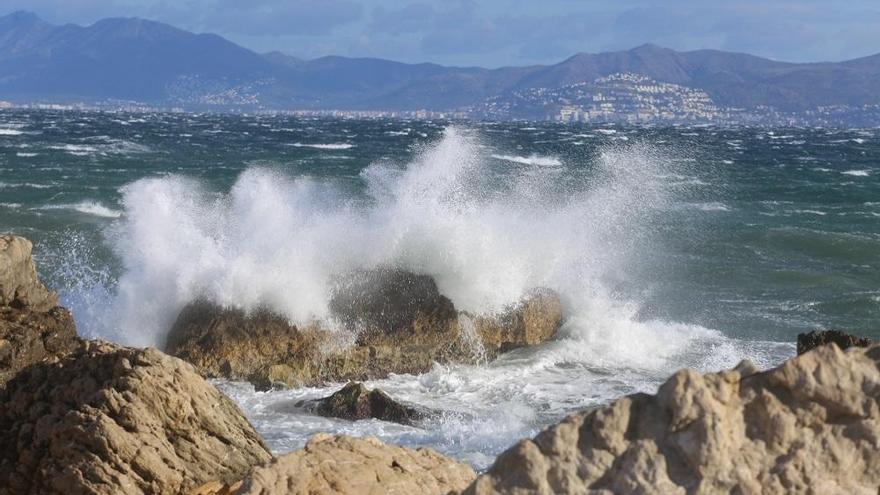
(338, 464)
(809, 341)
(399, 323)
(33, 327)
(355, 401)
(809, 426)
(110, 419)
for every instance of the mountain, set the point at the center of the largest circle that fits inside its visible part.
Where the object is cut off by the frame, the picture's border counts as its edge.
(151, 62)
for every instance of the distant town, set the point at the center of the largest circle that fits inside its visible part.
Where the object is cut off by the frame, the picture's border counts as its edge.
(617, 98)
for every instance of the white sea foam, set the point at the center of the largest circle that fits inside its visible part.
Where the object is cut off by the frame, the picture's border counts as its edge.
(487, 239)
(10, 132)
(857, 173)
(329, 146)
(87, 207)
(541, 161)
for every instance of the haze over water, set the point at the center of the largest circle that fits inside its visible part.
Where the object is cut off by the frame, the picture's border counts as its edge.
(671, 247)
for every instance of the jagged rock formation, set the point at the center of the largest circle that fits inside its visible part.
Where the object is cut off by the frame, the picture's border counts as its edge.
(33, 327)
(19, 285)
(812, 425)
(338, 464)
(808, 341)
(109, 419)
(400, 321)
(355, 401)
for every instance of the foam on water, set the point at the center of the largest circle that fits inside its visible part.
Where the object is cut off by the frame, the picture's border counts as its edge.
(542, 161)
(487, 234)
(86, 207)
(330, 146)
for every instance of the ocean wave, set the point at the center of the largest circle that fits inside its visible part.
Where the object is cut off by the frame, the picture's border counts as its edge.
(541, 161)
(319, 146)
(10, 132)
(87, 207)
(857, 173)
(280, 242)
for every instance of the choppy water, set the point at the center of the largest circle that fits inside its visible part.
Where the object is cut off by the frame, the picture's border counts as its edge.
(671, 247)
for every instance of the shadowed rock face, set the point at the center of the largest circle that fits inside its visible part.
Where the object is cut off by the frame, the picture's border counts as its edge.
(809, 341)
(399, 323)
(33, 327)
(809, 426)
(109, 419)
(338, 464)
(355, 401)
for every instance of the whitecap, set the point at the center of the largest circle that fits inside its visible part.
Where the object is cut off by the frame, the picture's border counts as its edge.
(857, 173)
(330, 146)
(541, 161)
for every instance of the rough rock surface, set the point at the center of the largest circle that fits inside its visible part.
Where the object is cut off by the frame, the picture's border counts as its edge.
(399, 323)
(19, 285)
(812, 425)
(338, 464)
(28, 337)
(355, 401)
(109, 419)
(808, 341)
(33, 327)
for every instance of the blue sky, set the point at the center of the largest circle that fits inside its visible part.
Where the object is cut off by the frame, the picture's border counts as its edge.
(493, 33)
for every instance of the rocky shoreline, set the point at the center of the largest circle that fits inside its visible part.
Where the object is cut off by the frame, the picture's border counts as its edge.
(81, 416)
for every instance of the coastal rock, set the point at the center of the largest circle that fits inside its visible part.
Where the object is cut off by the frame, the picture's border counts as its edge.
(338, 464)
(33, 327)
(19, 285)
(355, 401)
(808, 341)
(28, 337)
(393, 322)
(109, 419)
(812, 425)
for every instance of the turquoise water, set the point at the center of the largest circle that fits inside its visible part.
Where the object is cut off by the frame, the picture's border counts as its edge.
(671, 247)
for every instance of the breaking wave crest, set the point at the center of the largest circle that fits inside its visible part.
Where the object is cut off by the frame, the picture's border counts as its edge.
(487, 234)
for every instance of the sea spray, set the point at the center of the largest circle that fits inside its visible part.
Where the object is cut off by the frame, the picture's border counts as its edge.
(487, 235)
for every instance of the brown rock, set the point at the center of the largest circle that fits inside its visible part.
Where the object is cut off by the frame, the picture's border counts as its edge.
(808, 341)
(28, 337)
(109, 419)
(345, 465)
(32, 327)
(355, 401)
(812, 425)
(19, 285)
(398, 322)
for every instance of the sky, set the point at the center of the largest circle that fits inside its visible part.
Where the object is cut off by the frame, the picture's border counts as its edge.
(494, 33)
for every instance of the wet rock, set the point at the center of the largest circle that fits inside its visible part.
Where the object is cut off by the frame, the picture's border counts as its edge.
(808, 341)
(396, 322)
(109, 419)
(33, 327)
(809, 426)
(19, 285)
(338, 464)
(355, 401)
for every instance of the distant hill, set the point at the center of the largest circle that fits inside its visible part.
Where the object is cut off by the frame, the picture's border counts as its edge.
(154, 63)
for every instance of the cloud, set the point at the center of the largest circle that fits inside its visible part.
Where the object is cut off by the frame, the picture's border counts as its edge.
(271, 17)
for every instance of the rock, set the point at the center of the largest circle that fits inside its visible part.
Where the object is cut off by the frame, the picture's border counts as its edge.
(393, 322)
(812, 425)
(109, 419)
(338, 464)
(28, 337)
(355, 401)
(808, 341)
(33, 327)
(19, 285)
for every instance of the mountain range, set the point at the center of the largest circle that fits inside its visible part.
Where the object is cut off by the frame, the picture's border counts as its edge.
(145, 61)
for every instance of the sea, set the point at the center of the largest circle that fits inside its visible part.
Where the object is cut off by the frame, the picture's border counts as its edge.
(671, 246)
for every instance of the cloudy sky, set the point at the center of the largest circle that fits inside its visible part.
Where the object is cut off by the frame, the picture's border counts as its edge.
(493, 33)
